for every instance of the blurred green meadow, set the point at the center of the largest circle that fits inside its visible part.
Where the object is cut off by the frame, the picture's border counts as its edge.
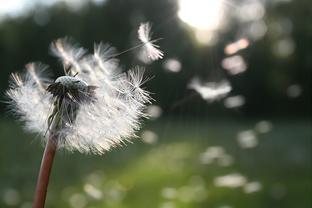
(186, 163)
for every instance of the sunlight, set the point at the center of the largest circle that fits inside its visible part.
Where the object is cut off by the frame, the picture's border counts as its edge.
(201, 14)
(12, 8)
(16, 8)
(205, 16)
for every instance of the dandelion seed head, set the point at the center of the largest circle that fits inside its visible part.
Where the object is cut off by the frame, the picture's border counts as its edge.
(97, 106)
(72, 82)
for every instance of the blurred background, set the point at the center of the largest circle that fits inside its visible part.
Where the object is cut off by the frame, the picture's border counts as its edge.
(231, 121)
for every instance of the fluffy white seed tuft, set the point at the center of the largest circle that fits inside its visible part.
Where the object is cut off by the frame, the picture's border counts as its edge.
(28, 99)
(150, 51)
(111, 119)
(210, 91)
(69, 54)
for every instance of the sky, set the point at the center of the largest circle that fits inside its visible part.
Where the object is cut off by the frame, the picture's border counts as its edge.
(15, 8)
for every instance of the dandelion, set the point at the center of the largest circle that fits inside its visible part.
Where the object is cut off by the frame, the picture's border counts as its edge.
(91, 109)
(150, 51)
(88, 111)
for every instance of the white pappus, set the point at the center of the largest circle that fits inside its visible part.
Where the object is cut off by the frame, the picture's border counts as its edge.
(97, 106)
(150, 51)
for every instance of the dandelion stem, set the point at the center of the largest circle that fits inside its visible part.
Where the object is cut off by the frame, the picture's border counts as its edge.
(44, 173)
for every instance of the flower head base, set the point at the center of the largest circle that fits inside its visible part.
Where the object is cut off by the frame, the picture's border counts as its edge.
(91, 109)
(68, 93)
(71, 88)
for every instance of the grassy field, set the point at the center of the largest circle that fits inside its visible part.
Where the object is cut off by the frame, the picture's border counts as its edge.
(177, 171)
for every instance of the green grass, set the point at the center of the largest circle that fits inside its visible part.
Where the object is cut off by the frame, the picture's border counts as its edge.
(167, 174)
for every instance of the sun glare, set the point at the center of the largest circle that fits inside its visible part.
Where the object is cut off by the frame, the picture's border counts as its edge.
(201, 14)
(205, 16)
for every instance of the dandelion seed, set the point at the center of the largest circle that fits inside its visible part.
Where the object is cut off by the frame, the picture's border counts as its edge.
(210, 91)
(150, 50)
(26, 95)
(69, 53)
